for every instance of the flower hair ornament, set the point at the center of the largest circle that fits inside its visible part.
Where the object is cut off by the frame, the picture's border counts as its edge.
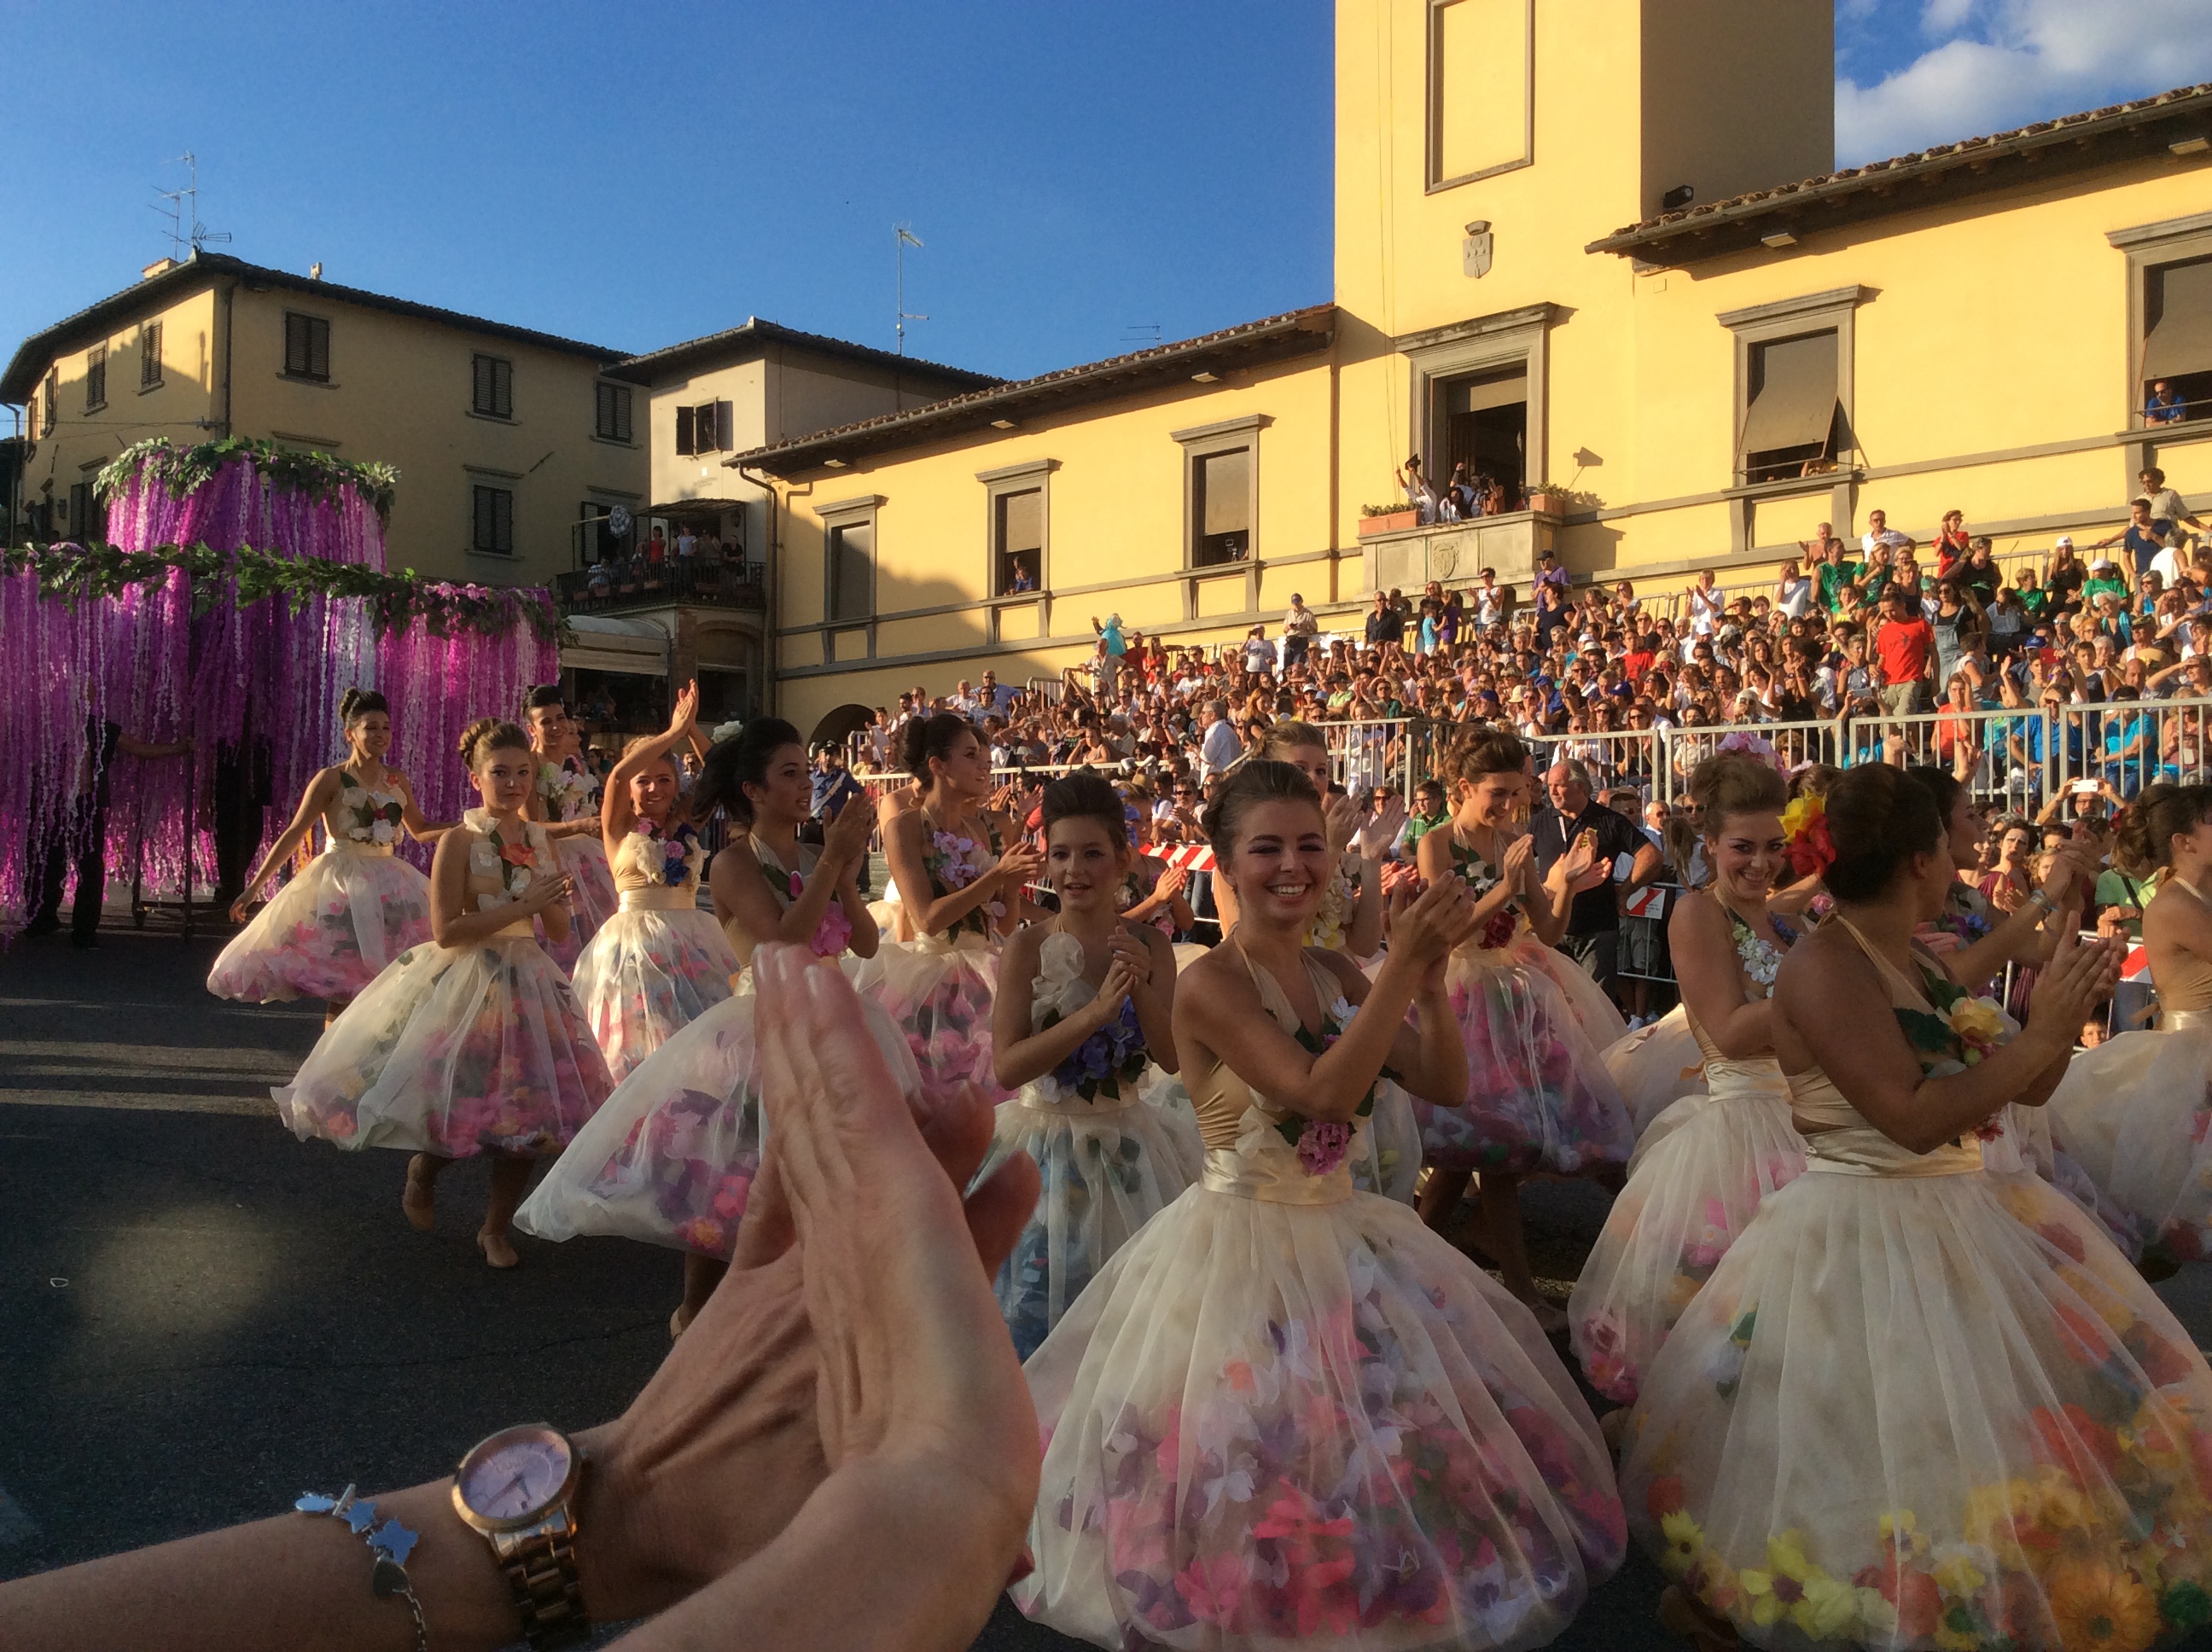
(1745, 744)
(1805, 830)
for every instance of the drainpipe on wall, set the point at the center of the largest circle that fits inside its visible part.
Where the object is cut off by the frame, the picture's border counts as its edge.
(229, 331)
(771, 629)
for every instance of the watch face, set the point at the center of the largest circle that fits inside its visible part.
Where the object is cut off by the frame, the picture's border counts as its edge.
(517, 1472)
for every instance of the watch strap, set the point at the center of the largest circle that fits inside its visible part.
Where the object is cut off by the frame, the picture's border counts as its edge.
(541, 1573)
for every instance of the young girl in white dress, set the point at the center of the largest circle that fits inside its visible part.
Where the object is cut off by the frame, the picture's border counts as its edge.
(1083, 1012)
(1919, 1405)
(1286, 1410)
(1539, 1097)
(470, 1044)
(1349, 922)
(661, 962)
(671, 1158)
(567, 801)
(1702, 1168)
(356, 906)
(2136, 1111)
(961, 869)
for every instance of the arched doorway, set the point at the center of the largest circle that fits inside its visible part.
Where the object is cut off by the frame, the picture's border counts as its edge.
(839, 722)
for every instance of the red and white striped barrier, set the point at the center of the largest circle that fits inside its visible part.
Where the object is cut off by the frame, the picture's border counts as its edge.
(1189, 857)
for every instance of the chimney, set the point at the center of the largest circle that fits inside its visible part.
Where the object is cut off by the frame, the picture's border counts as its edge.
(159, 267)
(315, 270)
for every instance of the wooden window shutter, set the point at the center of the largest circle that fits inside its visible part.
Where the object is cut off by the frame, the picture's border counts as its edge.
(480, 395)
(502, 521)
(622, 413)
(318, 347)
(726, 434)
(480, 534)
(684, 441)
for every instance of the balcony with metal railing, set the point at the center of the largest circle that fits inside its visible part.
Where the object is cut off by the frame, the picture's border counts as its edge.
(627, 583)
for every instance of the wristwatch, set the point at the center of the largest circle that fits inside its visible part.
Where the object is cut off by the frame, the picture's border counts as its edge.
(517, 1487)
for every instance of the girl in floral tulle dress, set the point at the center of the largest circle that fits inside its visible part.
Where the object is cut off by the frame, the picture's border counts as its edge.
(961, 870)
(1083, 1010)
(567, 799)
(1286, 1410)
(1539, 1097)
(2136, 1111)
(356, 906)
(1704, 1164)
(1919, 1405)
(661, 962)
(1349, 921)
(470, 1044)
(671, 1158)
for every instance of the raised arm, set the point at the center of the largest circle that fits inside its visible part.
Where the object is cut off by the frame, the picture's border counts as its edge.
(616, 817)
(411, 812)
(312, 802)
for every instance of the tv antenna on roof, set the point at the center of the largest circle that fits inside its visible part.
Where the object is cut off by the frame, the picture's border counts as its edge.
(183, 213)
(906, 238)
(1144, 334)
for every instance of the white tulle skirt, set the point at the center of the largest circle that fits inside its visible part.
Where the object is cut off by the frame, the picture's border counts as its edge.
(591, 903)
(939, 993)
(1107, 1168)
(648, 975)
(1656, 1066)
(671, 1156)
(1928, 1410)
(1694, 1186)
(2136, 1114)
(1539, 1095)
(328, 932)
(453, 1050)
(1319, 1424)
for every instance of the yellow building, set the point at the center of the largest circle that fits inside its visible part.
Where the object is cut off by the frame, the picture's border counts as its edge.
(1600, 248)
(512, 446)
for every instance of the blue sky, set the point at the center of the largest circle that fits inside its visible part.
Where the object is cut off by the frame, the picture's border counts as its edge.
(639, 174)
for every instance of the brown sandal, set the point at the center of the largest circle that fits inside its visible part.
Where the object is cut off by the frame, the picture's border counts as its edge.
(505, 1257)
(419, 1200)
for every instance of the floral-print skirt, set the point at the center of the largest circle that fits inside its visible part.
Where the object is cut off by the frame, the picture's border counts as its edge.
(671, 1156)
(2136, 1114)
(453, 1050)
(939, 994)
(1694, 1186)
(1269, 1422)
(328, 932)
(1656, 1066)
(591, 903)
(647, 975)
(1929, 1412)
(1107, 1167)
(1539, 1095)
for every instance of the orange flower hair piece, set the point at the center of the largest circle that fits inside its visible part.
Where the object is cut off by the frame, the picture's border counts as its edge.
(1805, 829)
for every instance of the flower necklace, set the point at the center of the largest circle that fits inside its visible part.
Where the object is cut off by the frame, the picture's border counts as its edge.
(1761, 958)
(1482, 877)
(679, 850)
(954, 861)
(834, 933)
(1110, 1058)
(514, 858)
(565, 789)
(373, 821)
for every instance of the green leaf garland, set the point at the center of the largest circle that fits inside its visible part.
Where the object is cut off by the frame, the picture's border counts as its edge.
(182, 470)
(77, 574)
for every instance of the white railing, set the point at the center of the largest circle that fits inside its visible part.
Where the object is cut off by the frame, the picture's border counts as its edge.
(1794, 743)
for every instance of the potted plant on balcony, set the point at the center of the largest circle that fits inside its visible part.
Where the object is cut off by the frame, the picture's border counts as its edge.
(1549, 498)
(1386, 519)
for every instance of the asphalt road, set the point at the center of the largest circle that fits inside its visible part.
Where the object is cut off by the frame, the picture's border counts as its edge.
(201, 1317)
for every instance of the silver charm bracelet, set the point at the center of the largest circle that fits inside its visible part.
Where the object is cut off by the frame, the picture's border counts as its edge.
(391, 1542)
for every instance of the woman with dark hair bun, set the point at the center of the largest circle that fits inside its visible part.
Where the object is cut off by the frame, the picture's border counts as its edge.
(959, 870)
(1701, 1170)
(2136, 1111)
(1916, 1402)
(357, 905)
(567, 801)
(672, 1157)
(1285, 1412)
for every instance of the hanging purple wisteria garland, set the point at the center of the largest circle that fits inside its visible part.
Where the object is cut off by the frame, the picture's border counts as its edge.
(250, 635)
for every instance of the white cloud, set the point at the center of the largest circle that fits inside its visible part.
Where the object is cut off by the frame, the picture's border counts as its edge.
(2028, 60)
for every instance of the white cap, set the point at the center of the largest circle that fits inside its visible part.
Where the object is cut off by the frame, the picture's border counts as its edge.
(2065, 539)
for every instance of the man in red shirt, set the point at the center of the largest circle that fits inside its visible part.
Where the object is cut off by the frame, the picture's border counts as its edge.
(1903, 643)
(1638, 660)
